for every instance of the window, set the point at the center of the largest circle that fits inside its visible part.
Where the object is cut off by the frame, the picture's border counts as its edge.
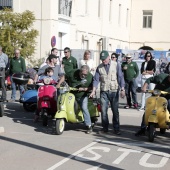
(5, 3)
(119, 17)
(65, 7)
(147, 19)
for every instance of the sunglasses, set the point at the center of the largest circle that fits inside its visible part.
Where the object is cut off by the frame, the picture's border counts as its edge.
(113, 57)
(66, 51)
(128, 57)
(148, 56)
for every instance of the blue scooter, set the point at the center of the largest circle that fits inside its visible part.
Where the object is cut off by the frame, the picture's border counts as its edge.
(29, 98)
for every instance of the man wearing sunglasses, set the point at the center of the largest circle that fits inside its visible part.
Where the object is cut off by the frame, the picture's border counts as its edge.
(68, 61)
(75, 77)
(131, 71)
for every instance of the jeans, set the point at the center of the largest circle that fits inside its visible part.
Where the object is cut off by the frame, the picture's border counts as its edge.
(130, 88)
(2, 83)
(13, 85)
(112, 97)
(83, 102)
(151, 87)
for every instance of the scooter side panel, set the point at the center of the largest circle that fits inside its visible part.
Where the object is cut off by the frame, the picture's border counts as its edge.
(61, 114)
(30, 96)
(156, 108)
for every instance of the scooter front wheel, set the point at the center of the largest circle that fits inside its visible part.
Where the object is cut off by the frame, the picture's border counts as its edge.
(151, 133)
(60, 126)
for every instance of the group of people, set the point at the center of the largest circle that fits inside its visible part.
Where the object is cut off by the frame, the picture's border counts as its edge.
(115, 79)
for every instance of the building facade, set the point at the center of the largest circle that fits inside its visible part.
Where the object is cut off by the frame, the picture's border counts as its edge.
(97, 24)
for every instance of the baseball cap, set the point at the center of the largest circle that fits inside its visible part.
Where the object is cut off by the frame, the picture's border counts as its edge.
(104, 54)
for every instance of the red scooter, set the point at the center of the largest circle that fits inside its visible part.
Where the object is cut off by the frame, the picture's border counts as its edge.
(46, 100)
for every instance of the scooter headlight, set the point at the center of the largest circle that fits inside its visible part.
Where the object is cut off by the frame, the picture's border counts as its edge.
(157, 92)
(47, 80)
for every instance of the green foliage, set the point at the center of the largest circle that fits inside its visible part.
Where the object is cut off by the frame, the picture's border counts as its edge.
(16, 32)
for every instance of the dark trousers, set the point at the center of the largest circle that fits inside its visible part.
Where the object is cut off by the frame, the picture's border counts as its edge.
(2, 83)
(112, 97)
(130, 89)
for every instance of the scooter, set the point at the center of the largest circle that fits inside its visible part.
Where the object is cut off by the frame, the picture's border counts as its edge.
(69, 110)
(29, 98)
(47, 100)
(156, 113)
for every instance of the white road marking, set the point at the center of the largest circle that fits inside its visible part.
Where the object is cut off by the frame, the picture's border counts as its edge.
(125, 153)
(164, 160)
(80, 157)
(94, 168)
(71, 156)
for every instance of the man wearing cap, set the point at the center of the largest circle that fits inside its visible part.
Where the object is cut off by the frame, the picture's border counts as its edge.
(57, 70)
(69, 62)
(110, 76)
(131, 71)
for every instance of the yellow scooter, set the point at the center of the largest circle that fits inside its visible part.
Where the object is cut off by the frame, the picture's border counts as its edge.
(156, 113)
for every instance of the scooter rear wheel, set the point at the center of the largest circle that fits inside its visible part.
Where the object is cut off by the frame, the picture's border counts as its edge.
(60, 126)
(151, 133)
(30, 107)
(1, 109)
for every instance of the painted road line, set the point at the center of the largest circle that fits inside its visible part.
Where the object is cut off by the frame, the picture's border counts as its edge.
(71, 156)
(122, 144)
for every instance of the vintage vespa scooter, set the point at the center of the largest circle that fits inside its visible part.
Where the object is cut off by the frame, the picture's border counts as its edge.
(69, 110)
(156, 113)
(47, 100)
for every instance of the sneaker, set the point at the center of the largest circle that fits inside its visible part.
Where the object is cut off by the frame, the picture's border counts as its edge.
(89, 129)
(135, 106)
(141, 109)
(141, 132)
(11, 100)
(127, 107)
(117, 132)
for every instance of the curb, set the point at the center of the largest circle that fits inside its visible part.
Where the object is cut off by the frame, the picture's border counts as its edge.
(2, 130)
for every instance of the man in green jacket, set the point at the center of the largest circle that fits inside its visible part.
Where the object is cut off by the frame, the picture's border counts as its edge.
(17, 65)
(75, 77)
(68, 61)
(131, 71)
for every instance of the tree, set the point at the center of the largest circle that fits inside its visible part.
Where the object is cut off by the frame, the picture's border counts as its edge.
(16, 32)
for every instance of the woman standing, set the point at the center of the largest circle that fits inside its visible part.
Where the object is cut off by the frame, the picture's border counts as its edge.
(148, 69)
(88, 61)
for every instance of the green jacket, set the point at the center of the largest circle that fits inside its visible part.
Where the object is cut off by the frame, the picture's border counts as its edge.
(17, 65)
(162, 82)
(69, 64)
(74, 80)
(132, 70)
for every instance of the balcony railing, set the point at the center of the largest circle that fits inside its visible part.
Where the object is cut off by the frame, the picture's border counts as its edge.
(6, 3)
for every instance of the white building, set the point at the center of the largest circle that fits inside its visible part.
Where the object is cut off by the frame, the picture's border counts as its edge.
(97, 24)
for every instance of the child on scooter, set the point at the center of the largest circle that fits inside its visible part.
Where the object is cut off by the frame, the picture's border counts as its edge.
(48, 74)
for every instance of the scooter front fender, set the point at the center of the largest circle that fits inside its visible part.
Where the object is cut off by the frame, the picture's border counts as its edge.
(61, 114)
(152, 119)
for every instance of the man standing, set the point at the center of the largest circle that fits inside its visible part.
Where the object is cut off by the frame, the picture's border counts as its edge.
(3, 64)
(17, 65)
(75, 76)
(131, 71)
(110, 76)
(54, 51)
(68, 61)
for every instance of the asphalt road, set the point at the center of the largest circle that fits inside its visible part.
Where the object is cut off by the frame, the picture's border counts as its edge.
(30, 146)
